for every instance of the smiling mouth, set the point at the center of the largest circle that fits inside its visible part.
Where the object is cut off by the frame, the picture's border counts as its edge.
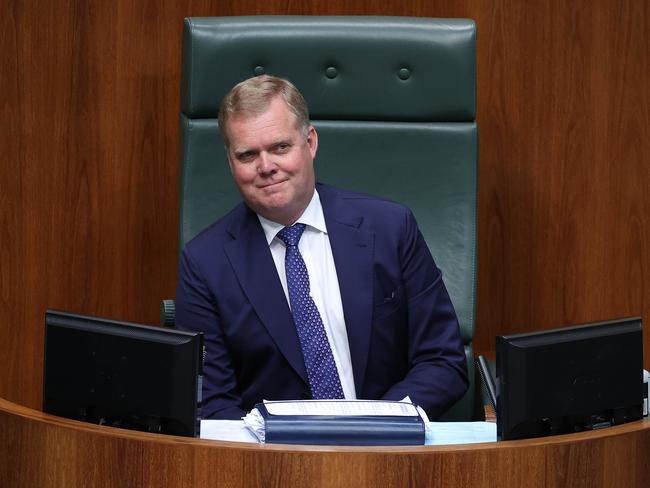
(271, 185)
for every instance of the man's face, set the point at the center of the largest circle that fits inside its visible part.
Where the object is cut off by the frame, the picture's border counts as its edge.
(272, 162)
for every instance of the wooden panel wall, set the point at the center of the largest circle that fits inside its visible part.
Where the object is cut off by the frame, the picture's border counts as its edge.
(88, 178)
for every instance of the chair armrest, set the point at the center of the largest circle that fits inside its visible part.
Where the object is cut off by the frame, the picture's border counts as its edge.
(167, 313)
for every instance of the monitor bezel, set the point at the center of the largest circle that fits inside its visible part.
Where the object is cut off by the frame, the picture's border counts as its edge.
(179, 418)
(629, 409)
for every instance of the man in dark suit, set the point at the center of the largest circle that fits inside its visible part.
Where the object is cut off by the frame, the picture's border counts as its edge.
(353, 307)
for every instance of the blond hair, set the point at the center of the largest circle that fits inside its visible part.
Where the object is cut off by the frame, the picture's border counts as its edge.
(254, 95)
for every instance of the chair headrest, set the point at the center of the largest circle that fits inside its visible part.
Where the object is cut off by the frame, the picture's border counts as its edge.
(347, 68)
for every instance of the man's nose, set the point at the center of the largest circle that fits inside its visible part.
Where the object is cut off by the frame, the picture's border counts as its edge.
(265, 163)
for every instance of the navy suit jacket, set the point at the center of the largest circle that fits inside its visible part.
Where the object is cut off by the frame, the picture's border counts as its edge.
(402, 329)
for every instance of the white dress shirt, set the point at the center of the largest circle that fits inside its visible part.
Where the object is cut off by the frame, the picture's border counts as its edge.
(316, 251)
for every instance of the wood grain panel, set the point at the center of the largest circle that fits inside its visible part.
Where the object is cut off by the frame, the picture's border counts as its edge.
(89, 213)
(46, 451)
(13, 255)
(563, 111)
(89, 103)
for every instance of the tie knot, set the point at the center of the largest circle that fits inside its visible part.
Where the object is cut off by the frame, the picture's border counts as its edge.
(291, 235)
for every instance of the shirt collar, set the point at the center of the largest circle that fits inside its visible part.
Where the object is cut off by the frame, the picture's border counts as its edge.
(312, 217)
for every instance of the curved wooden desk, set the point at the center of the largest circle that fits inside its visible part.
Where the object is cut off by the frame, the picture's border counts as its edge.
(40, 450)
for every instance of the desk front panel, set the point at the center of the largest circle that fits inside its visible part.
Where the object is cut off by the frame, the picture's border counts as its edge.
(40, 450)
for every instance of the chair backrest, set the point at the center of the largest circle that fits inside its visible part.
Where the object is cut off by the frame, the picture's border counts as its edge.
(393, 100)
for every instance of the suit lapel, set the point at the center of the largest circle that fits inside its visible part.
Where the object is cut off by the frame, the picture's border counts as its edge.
(353, 248)
(251, 259)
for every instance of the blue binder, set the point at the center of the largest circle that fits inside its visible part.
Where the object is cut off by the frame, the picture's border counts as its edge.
(348, 430)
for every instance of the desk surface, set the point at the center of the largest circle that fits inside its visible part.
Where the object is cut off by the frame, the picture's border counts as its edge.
(41, 450)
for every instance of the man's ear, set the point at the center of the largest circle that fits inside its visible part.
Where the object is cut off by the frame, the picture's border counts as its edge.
(229, 159)
(312, 140)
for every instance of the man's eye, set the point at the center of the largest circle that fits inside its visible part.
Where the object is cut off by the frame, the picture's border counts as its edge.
(247, 156)
(282, 147)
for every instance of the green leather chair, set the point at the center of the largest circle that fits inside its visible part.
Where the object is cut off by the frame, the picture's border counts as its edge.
(393, 100)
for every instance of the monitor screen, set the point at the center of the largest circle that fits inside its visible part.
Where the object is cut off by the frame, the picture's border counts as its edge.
(570, 379)
(122, 374)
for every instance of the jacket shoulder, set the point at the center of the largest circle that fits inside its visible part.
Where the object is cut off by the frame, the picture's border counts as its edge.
(217, 233)
(364, 204)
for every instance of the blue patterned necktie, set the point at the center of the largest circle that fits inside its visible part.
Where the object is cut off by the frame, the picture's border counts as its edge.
(319, 361)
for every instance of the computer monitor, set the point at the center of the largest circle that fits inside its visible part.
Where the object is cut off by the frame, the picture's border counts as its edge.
(570, 379)
(122, 374)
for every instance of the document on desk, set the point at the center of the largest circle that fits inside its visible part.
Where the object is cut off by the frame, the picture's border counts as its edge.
(342, 408)
(438, 433)
(446, 433)
(226, 430)
(337, 422)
